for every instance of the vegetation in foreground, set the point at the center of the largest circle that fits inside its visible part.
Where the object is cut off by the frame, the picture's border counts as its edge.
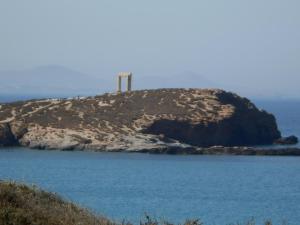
(24, 205)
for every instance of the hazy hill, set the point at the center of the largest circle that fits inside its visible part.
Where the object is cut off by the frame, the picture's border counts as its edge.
(45, 81)
(186, 79)
(59, 81)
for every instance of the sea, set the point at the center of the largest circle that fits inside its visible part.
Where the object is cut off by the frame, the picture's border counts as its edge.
(218, 190)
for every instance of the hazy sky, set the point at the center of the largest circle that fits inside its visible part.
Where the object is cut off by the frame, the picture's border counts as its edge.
(249, 43)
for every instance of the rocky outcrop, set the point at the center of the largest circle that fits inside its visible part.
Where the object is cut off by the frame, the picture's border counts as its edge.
(221, 150)
(140, 120)
(6, 136)
(290, 140)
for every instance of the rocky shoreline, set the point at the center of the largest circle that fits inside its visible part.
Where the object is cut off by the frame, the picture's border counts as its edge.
(176, 150)
(292, 151)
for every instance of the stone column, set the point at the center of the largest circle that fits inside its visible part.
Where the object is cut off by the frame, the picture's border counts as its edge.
(129, 82)
(119, 90)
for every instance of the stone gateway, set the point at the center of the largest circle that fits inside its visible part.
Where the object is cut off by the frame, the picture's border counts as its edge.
(127, 75)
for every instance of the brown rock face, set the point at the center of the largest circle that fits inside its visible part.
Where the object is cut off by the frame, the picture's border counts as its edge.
(6, 136)
(246, 126)
(139, 120)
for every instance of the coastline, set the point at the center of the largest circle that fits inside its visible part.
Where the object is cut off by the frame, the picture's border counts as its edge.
(247, 151)
(175, 150)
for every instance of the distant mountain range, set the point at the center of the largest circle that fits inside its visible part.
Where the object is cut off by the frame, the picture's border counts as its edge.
(187, 79)
(58, 81)
(48, 81)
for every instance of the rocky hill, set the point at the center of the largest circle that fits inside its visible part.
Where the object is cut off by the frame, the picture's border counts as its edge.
(138, 120)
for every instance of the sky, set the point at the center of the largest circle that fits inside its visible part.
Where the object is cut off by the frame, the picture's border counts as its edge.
(248, 46)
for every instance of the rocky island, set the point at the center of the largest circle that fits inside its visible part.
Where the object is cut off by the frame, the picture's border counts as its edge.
(164, 120)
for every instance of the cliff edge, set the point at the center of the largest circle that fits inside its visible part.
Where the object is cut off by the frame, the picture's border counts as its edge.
(138, 120)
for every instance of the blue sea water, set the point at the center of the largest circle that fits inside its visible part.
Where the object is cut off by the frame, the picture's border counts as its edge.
(217, 189)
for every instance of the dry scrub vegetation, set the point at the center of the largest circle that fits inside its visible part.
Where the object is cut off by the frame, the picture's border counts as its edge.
(24, 205)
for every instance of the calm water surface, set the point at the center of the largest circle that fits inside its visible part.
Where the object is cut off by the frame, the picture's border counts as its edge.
(214, 188)
(217, 189)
